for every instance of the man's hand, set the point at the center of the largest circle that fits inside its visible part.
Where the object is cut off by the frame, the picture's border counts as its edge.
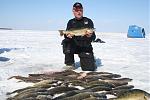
(69, 35)
(88, 33)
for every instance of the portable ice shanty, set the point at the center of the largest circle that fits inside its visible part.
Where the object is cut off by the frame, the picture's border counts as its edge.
(135, 31)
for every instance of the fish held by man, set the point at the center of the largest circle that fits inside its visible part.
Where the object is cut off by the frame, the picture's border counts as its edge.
(76, 32)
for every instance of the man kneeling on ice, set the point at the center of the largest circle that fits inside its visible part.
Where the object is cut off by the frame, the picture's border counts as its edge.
(80, 45)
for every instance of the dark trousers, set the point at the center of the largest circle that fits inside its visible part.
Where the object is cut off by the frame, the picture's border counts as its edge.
(85, 53)
(69, 58)
(87, 61)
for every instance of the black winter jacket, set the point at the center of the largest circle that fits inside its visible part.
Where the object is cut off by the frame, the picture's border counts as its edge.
(85, 22)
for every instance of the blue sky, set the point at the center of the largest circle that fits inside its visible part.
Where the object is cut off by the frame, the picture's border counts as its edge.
(107, 15)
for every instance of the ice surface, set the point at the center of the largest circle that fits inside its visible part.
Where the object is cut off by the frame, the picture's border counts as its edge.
(41, 51)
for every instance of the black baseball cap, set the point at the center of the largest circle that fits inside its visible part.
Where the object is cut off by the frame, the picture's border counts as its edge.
(77, 5)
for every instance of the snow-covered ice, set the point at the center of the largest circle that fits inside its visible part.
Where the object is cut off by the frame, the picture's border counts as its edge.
(29, 51)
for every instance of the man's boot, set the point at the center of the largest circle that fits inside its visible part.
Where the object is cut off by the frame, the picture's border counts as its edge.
(69, 67)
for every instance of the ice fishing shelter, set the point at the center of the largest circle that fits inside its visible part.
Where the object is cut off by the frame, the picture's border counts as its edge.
(135, 31)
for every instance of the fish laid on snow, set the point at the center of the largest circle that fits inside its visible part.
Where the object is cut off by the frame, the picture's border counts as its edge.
(135, 94)
(76, 32)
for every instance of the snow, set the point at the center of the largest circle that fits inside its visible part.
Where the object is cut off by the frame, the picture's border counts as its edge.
(41, 51)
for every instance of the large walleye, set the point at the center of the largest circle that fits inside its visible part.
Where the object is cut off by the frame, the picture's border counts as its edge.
(77, 32)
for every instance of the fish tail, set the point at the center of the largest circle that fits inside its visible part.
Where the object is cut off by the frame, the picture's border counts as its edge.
(61, 32)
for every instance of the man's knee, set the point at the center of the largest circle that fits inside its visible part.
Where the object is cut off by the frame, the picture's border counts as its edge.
(87, 61)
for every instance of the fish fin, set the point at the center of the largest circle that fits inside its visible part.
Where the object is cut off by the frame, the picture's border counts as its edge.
(94, 29)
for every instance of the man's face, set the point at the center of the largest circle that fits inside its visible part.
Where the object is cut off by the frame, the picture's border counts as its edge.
(78, 12)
